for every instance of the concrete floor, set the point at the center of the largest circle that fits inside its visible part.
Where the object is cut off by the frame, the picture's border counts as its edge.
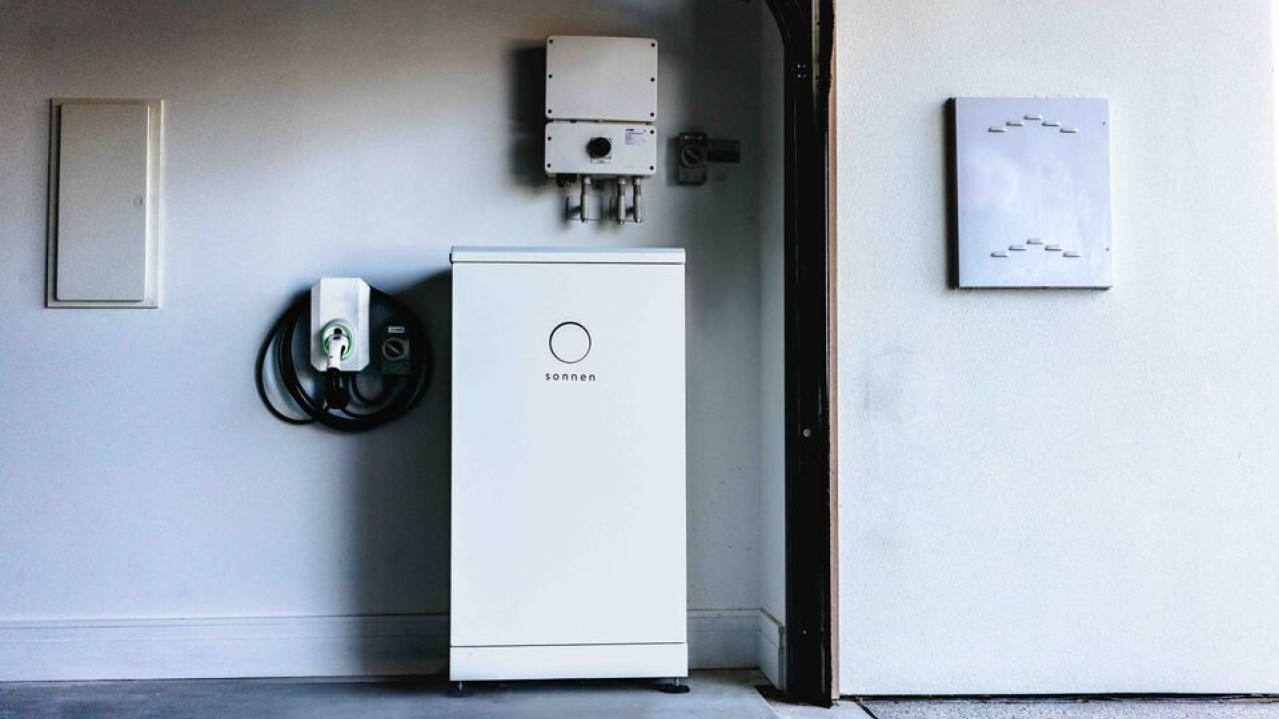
(1037, 709)
(727, 694)
(714, 694)
(1072, 709)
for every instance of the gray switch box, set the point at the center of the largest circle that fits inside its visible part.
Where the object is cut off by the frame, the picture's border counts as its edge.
(103, 212)
(1033, 192)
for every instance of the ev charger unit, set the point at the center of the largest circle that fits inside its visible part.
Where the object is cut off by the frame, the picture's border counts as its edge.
(568, 495)
(340, 318)
(369, 358)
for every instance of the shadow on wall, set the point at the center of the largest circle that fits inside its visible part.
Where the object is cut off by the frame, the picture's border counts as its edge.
(527, 67)
(952, 196)
(400, 532)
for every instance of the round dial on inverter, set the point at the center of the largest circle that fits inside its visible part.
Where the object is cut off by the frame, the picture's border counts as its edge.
(599, 147)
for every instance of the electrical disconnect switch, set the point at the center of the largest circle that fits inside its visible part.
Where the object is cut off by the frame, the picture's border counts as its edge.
(601, 110)
(395, 350)
(696, 151)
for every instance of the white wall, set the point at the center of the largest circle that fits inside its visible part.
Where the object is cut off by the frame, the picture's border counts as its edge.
(139, 476)
(1061, 491)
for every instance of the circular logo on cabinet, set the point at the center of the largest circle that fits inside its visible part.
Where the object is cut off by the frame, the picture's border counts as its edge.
(570, 342)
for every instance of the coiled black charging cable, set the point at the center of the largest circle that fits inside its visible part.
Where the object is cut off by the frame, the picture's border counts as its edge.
(333, 406)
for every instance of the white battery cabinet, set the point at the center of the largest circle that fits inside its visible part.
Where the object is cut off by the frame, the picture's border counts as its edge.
(568, 487)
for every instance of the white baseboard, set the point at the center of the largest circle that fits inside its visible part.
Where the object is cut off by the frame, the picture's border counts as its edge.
(722, 638)
(348, 646)
(223, 647)
(771, 649)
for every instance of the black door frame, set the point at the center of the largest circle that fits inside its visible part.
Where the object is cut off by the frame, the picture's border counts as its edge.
(807, 33)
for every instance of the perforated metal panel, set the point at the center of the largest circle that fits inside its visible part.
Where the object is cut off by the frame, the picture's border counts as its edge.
(1033, 192)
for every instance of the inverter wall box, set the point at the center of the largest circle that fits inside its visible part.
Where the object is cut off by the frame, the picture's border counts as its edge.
(568, 516)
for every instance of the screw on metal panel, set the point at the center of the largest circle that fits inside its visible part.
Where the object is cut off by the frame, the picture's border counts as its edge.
(808, 432)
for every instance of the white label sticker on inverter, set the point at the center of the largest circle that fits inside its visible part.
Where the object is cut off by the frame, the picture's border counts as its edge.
(635, 137)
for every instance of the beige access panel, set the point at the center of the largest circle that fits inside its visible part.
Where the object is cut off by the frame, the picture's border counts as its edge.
(104, 197)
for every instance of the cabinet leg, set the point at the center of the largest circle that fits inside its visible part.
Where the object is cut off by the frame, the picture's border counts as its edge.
(675, 686)
(458, 689)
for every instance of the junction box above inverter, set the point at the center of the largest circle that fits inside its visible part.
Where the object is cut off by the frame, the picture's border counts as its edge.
(606, 79)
